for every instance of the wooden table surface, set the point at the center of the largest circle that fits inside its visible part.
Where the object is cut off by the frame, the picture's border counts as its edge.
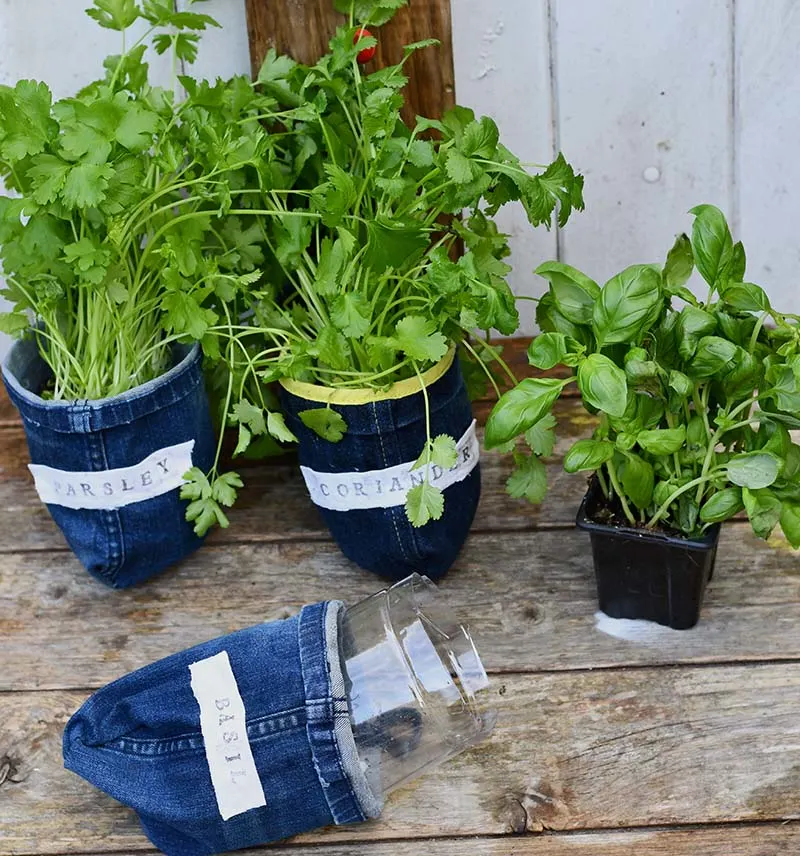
(678, 743)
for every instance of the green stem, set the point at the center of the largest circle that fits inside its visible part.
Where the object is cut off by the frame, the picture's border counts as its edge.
(701, 480)
(612, 474)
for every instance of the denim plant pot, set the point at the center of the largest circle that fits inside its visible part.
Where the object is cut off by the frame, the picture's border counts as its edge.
(360, 484)
(237, 742)
(110, 470)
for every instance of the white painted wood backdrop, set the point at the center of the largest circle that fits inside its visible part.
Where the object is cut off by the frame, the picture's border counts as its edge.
(662, 104)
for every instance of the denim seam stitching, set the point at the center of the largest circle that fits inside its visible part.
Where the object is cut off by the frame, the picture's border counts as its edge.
(115, 551)
(392, 515)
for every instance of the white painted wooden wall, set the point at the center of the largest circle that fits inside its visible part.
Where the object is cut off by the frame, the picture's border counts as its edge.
(662, 104)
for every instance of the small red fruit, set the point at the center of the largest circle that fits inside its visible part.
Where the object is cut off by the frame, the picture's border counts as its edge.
(368, 53)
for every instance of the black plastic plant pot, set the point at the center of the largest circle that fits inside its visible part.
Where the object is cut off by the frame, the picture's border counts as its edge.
(647, 575)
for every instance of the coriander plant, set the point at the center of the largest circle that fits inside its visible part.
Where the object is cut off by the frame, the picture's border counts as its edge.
(694, 397)
(365, 230)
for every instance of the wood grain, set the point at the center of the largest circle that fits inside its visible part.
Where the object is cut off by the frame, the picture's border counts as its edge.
(764, 839)
(529, 598)
(302, 28)
(571, 751)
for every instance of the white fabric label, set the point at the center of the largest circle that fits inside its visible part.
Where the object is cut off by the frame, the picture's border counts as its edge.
(222, 721)
(389, 487)
(156, 474)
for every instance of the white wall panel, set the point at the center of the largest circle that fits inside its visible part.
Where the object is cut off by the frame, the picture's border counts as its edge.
(767, 150)
(645, 110)
(502, 63)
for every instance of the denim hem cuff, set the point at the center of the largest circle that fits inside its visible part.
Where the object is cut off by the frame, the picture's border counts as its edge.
(328, 726)
(24, 372)
(370, 802)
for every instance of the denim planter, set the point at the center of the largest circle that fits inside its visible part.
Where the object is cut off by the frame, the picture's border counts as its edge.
(109, 469)
(237, 742)
(360, 483)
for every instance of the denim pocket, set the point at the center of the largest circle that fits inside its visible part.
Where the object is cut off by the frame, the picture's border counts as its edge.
(109, 470)
(384, 436)
(146, 740)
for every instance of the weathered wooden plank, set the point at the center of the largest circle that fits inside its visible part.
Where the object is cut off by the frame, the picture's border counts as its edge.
(302, 28)
(763, 839)
(529, 598)
(502, 63)
(571, 751)
(274, 505)
(644, 112)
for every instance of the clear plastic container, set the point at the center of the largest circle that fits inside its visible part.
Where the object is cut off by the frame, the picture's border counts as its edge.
(417, 687)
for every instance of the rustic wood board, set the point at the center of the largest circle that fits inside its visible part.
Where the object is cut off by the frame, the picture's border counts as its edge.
(303, 28)
(631, 748)
(529, 598)
(764, 839)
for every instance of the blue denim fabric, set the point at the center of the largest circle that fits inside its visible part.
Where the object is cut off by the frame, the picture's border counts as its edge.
(384, 434)
(139, 739)
(122, 546)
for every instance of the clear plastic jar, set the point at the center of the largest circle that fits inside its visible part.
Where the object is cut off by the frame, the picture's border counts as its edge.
(417, 687)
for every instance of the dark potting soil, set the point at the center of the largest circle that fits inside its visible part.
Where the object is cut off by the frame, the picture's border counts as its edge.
(608, 512)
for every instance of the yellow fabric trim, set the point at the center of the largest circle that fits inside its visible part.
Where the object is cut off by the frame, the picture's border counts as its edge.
(362, 395)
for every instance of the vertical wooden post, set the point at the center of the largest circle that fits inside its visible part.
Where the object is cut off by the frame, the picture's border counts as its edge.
(302, 28)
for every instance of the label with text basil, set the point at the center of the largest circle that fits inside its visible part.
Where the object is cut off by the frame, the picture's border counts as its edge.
(223, 724)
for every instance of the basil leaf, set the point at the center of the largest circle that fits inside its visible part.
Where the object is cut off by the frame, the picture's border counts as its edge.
(713, 356)
(679, 265)
(747, 297)
(603, 385)
(551, 320)
(722, 505)
(662, 441)
(574, 293)
(520, 408)
(712, 245)
(628, 303)
(739, 262)
(763, 509)
(693, 323)
(754, 470)
(680, 383)
(638, 480)
(549, 349)
(790, 523)
(588, 455)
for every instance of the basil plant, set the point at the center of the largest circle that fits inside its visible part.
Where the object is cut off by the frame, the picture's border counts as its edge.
(695, 398)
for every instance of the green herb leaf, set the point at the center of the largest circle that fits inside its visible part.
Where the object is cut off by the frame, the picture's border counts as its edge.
(629, 302)
(588, 455)
(243, 412)
(324, 422)
(374, 12)
(603, 385)
(790, 523)
(351, 314)
(424, 503)
(574, 293)
(418, 337)
(541, 437)
(722, 505)
(114, 14)
(662, 441)
(548, 350)
(529, 479)
(712, 245)
(520, 409)
(764, 510)
(443, 453)
(679, 264)
(638, 480)
(714, 356)
(747, 297)
(754, 470)
(680, 383)
(276, 426)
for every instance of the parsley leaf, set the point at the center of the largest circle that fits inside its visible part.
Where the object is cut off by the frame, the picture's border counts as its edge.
(324, 422)
(424, 503)
(418, 337)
